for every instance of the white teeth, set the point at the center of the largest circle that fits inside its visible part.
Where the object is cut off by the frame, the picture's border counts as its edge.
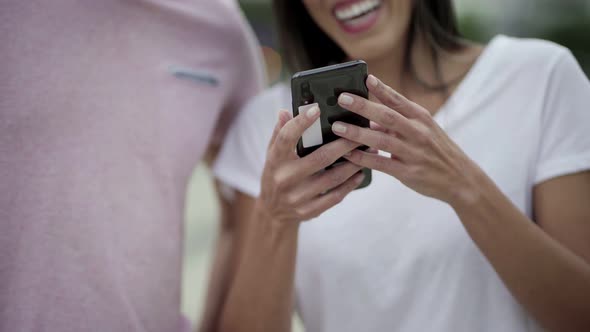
(365, 6)
(357, 9)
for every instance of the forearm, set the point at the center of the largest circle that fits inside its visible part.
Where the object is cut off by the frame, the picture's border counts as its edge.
(261, 294)
(219, 280)
(549, 280)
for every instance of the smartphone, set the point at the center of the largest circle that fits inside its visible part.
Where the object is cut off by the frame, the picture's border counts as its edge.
(321, 87)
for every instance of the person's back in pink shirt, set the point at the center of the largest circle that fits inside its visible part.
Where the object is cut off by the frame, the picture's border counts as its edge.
(105, 108)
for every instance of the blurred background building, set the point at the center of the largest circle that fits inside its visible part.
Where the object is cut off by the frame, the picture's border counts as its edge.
(566, 22)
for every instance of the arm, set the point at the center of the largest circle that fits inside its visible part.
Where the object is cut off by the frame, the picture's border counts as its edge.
(259, 296)
(230, 253)
(545, 266)
(246, 62)
(223, 261)
(223, 252)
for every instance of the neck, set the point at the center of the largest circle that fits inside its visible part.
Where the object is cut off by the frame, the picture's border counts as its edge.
(391, 67)
(416, 82)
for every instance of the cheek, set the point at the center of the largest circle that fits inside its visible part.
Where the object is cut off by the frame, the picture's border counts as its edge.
(401, 5)
(400, 11)
(321, 15)
(313, 6)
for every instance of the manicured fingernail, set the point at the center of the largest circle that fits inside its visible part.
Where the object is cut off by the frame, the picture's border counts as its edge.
(338, 127)
(312, 112)
(359, 178)
(283, 116)
(372, 81)
(345, 99)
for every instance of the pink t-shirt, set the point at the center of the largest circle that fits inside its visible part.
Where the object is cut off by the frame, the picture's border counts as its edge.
(105, 108)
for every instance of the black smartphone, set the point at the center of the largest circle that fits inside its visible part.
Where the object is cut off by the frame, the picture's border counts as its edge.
(321, 87)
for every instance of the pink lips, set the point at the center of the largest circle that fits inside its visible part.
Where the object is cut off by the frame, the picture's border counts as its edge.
(357, 25)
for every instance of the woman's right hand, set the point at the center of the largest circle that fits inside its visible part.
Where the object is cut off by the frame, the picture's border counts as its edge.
(295, 189)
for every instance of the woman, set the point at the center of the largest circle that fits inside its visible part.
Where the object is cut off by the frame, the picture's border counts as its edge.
(477, 218)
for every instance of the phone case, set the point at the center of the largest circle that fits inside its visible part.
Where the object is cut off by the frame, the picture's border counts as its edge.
(321, 87)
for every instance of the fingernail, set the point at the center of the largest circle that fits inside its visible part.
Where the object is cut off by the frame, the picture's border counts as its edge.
(360, 178)
(339, 128)
(283, 115)
(348, 154)
(345, 99)
(372, 81)
(312, 112)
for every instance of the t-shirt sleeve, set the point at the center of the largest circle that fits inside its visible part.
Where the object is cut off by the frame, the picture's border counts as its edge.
(565, 129)
(248, 77)
(240, 162)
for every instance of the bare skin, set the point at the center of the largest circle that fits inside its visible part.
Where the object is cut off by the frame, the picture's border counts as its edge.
(545, 265)
(266, 240)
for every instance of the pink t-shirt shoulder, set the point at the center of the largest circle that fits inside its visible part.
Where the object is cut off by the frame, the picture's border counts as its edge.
(105, 108)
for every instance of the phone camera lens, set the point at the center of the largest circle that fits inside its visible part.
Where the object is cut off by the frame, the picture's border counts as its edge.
(306, 95)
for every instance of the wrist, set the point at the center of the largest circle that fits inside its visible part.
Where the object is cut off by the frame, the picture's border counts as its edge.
(470, 191)
(276, 225)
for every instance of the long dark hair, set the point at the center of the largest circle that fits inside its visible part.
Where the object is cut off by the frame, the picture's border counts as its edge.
(305, 45)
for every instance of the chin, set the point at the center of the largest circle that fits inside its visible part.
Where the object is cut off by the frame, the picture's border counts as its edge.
(375, 48)
(364, 29)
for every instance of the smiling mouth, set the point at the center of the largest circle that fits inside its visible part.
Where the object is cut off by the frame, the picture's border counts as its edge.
(357, 16)
(356, 10)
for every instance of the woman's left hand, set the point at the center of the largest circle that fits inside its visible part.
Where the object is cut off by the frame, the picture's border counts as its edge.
(423, 157)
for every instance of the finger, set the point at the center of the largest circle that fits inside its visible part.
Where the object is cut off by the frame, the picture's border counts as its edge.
(378, 127)
(282, 118)
(374, 139)
(323, 182)
(377, 162)
(378, 113)
(293, 172)
(318, 206)
(392, 99)
(376, 152)
(289, 135)
(321, 158)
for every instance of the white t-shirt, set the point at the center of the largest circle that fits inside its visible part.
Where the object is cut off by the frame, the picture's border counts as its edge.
(389, 259)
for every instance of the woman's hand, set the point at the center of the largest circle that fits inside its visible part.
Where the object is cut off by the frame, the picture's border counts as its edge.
(295, 189)
(423, 157)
